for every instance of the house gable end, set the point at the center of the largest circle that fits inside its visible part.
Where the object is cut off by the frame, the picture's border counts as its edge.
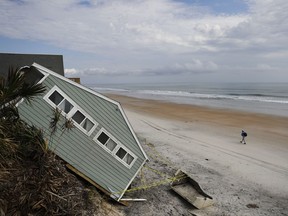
(115, 107)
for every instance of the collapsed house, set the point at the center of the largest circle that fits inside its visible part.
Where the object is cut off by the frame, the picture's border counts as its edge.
(101, 145)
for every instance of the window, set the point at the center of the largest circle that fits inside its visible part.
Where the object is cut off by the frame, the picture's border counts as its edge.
(82, 120)
(103, 138)
(111, 145)
(87, 124)
(56, 98)
(116, 149)
(66, 106)
(60, 102)
(78, 117)
(121, 153)
(106, 141)
(126, 157)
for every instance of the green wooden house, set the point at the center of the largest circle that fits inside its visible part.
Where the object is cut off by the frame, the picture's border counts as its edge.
(101, 146)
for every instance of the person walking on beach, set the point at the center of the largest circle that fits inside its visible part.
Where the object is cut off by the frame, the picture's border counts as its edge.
(243, 134)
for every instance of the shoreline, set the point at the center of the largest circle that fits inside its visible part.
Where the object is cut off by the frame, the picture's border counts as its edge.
(265, 126)
(205, 142)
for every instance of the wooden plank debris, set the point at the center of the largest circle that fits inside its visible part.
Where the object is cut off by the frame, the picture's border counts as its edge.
(191, 191)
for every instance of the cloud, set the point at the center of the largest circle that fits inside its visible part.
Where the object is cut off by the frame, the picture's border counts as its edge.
(267, 25)
(96, 71)
(264, 67)
(71, 72)
(125, 25)
(192, 67)
(152, 36)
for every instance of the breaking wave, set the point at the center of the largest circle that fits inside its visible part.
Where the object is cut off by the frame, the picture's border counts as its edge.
(244, 97)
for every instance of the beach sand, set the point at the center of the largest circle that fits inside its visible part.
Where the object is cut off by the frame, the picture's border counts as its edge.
(249, 179)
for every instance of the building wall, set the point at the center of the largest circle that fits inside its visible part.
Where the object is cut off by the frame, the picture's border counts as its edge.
(75, 79)
(52, 62)
(77, 148)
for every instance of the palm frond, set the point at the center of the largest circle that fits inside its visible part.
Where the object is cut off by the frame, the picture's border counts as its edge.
(15, 87)
(68, 124)
(9, 113)
(15, 134)
(10, 87)
(30, 91)
(55, 119)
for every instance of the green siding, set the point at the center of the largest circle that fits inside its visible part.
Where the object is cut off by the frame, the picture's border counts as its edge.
(78, 149)
(103, 111)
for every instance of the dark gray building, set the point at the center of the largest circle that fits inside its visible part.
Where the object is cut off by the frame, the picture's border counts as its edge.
(52, 62)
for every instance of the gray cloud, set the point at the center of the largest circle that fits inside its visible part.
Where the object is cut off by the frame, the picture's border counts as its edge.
(113, 24)
(194, 66)
(153, 37)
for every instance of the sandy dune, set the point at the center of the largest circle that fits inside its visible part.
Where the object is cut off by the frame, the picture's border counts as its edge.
(205, 143)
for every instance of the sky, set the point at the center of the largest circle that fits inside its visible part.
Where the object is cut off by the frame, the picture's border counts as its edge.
(139, 41)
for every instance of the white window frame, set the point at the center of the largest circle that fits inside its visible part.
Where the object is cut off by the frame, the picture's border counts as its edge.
(72, 111)
(118, 146)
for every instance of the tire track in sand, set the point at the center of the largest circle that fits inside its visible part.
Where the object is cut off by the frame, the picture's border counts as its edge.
(262, 163)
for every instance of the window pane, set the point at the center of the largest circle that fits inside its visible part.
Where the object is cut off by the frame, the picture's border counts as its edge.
(128, 159)
(103, 138)
(78, 117)
(111, 145)
(87, 124)
(121, 153)
(66, 106)
(56, 98)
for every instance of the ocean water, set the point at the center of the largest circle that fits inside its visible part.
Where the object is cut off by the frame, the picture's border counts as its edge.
(266, 98)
